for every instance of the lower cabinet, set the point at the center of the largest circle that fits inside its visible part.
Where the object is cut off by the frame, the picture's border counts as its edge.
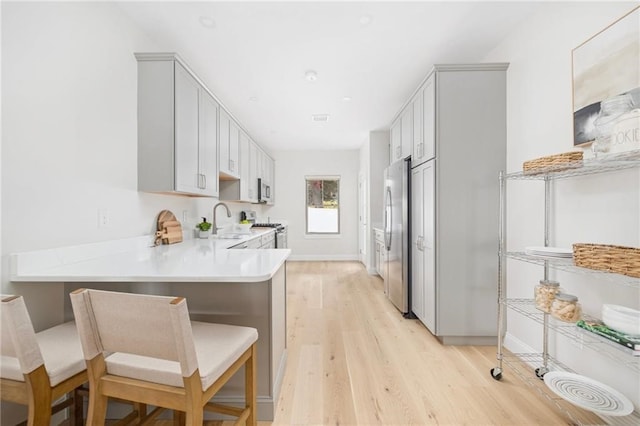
(379, 256)
(423, 285)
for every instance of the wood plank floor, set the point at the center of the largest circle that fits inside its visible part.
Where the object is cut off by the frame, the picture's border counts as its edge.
(353, 360)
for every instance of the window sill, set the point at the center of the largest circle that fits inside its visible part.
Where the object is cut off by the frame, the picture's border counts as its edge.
(322, 236)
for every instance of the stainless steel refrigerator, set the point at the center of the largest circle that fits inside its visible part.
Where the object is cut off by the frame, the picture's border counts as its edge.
(396, 235)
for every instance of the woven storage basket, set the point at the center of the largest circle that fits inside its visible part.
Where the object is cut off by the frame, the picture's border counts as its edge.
(567, 160)
(603, 257)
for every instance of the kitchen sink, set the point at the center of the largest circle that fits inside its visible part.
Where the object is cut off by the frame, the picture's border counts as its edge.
(231, 236)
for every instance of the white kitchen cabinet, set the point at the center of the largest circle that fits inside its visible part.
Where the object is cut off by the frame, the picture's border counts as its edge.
(229, 147)
(402, 135)
(245, 188)
(428, 149)
(407, 131)
(424, 123)
(271, 178)
(395, 147)
(379, 257)
(253, 171)
(454, 201)
(177, 129)
(417, 145)
(423, 289)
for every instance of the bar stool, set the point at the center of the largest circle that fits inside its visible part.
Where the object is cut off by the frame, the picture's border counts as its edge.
(144, 348)
(39, 368)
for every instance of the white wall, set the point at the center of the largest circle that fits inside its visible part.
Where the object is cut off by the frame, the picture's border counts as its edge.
(291, 169)
(374, 158)
(601, 208)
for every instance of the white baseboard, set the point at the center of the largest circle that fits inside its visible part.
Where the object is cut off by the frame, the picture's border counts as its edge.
(322, 257)
(516, 345)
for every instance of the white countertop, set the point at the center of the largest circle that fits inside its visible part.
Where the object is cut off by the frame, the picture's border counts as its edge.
(133, 260)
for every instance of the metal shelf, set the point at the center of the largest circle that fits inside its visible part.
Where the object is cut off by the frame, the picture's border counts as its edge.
(566, 264)
(609, 163)
(523, 364)
(577, 335)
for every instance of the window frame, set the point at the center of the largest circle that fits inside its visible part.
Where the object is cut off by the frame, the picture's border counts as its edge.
(309, 178)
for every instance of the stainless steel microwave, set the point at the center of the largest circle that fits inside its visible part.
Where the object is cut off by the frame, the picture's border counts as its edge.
(264, 191)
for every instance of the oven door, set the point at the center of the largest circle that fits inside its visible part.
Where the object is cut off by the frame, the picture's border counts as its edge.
(281, 239)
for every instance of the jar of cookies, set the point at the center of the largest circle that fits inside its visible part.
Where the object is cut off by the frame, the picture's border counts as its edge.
(565, 307)
(544, 293)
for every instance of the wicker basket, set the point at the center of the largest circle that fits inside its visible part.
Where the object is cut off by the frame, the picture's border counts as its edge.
(567, 160)
(617, 259)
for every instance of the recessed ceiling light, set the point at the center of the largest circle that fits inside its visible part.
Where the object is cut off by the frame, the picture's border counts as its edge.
(320, 117)
(311, 75)
(207, 22)
(253, 99)
(346, 99)
(365, 20)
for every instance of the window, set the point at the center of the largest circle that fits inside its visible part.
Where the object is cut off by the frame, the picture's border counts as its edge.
(323, 204)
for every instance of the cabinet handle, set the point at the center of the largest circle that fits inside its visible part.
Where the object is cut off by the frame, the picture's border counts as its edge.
(204, 181)
(231, 165)
(420, 150)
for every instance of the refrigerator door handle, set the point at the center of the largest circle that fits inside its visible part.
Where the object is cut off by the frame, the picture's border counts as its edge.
(388, 219)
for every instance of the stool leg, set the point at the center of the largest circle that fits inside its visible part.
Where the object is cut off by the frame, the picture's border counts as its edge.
(250, 386)
(194, 408)
(39, 394)
(77, 412)
(179, 418)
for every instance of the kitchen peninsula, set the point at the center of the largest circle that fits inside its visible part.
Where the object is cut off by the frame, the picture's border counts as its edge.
(240, 287)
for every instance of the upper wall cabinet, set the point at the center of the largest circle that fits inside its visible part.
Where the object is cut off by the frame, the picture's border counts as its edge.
(229, 147)
(177, 129)
(395, 147)
(424, 122)
(402, 135)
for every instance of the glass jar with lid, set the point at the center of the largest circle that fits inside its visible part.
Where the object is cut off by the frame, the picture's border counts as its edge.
(565, 307)
(544, 293)
(610, 110)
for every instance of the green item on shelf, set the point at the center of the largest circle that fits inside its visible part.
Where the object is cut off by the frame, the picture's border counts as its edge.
(599, 328)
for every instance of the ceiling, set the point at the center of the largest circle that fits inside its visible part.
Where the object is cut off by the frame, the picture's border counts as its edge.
(254, 56)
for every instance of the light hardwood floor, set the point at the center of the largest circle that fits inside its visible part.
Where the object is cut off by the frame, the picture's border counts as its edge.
(353, 360)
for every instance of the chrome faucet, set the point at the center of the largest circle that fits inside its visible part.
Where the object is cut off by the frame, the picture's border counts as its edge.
(215, 228)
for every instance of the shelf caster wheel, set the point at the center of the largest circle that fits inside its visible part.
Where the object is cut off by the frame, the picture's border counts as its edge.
(496, 373)
(540, 372)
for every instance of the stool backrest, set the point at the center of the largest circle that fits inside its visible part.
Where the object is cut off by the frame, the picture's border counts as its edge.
(18, 336)
(140, 324)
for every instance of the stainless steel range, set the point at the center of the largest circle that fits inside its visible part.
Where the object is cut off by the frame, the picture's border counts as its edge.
(281, 232)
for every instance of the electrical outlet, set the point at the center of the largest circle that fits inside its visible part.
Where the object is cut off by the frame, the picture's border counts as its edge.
(185, 216)
(103, 218)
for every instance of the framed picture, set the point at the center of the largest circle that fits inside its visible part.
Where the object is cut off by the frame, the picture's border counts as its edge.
(606, 78)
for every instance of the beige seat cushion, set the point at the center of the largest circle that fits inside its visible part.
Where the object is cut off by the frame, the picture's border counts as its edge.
(217, 348)
(61, 351)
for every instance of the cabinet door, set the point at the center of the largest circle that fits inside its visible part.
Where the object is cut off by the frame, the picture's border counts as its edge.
(187, 176)
(208, 144)
(396, 141)
(417, 156)
(417, 253)
(253, 171)
(223, 141)
(271, 176)
(429, 248)
(243, 159)
(234, 141)
(429, 119)
(407, 131)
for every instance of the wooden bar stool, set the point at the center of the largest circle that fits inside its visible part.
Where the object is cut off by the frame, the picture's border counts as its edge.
(39, 368)
(144, 348)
